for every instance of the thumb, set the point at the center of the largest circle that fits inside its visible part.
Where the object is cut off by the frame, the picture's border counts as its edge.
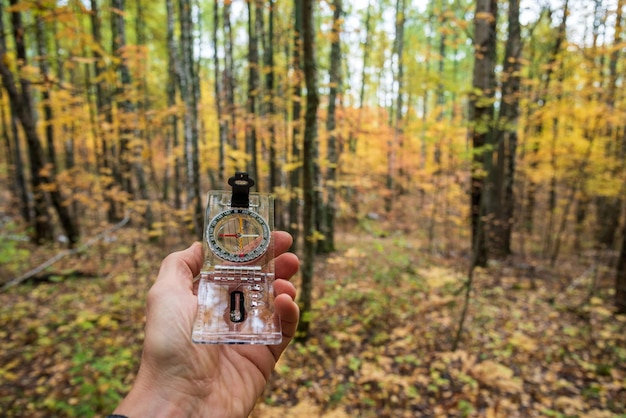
(181, 265)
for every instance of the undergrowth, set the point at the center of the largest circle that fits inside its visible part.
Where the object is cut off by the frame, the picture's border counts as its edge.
(385, 313)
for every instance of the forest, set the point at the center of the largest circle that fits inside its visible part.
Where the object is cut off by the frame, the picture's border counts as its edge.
(453, 173)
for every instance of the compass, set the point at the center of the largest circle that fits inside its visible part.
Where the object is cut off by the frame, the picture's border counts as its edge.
(238, 233)
(236, 287)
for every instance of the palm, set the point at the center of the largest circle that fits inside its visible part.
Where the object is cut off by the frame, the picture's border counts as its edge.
(232, 376)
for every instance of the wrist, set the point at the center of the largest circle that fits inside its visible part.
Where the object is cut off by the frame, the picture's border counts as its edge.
(156, 396)
(143, 401)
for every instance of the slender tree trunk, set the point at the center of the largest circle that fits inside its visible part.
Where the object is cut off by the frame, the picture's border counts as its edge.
(355, 131)
(39, 176)
(609, 207)
(124, 106)
(620, 276)
(353, 140)
(143, 155)
(188, 90)
(270, 113)
(296, 131)
(506, 139)
(14, 147)
(219, 99)
(328, 215)
(542, 98)
(43, 228)
(481, 117)
(42, 50)
(309, 157)
(130, 158)
(253, 90)
(394, 142)
(172, 120)
(104, 115)
(229, 77)
(620, 146)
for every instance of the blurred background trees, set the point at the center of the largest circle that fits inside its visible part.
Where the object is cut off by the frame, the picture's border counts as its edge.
(503, 120)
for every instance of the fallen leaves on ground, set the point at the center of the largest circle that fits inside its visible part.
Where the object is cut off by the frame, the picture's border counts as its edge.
(385, 315)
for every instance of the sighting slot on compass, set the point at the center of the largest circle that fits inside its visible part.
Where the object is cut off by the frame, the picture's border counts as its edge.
(237, 306)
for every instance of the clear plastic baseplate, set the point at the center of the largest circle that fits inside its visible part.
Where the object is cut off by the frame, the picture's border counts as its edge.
(236, 306)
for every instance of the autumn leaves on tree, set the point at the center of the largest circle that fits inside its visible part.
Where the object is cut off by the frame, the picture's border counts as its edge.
(341, 109)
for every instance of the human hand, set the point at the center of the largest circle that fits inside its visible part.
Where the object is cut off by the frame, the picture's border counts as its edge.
(179, 378)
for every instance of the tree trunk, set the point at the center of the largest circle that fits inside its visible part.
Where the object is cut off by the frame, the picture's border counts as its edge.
(394, 142)
(327, 244)
(269, 113)
(620, 277)
(124, 106)
(609, 207)
(130, 159)
(14, 155)
(188, 89)
(296, 112)
(143, 155)
(39, 176)
(481, 118)
(253, 90)
(506, 139)
(42, 50)
(171, 133)
(229, 77)
(104, 114)
(43, 228)
(541, 99)
(353, 140)
(219, 99)
(309, 158)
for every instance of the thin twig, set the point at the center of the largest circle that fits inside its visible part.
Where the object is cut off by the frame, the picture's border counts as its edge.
(65, 253)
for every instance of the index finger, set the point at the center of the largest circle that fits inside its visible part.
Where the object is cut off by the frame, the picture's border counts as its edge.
(282, 241)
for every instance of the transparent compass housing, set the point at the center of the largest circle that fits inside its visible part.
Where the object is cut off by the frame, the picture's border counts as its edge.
(236, 286)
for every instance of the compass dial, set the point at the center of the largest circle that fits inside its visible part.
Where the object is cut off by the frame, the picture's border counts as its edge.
(238, 235)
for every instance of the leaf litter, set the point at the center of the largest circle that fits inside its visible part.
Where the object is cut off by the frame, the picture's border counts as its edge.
(385, 314)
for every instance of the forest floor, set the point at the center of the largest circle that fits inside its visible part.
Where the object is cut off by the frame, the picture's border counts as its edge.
(536, 342)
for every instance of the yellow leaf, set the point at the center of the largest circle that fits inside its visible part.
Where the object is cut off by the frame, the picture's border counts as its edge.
(289, 167)
(497, 376)
(523, 342)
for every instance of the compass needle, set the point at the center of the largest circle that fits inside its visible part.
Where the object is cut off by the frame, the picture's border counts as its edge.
(240, 232)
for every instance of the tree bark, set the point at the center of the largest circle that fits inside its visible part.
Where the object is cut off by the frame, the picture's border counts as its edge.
(395, 140)
(541, 99)
(124, 106)
(22, 102)
(172, 165)
(506, 139)
(309, 157)
(219, 100)
(481, 118)
(609, 207)
(104, 117)
(14, 148)
(296, 129)
(253, 89)
(188, 89)
(42, 50)
(620, 276)
(39, 176)
(327, 223)
(229, 76)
